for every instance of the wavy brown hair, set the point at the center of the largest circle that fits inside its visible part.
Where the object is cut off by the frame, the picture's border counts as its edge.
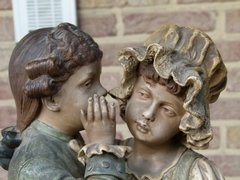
(149, 74)
(42, 61)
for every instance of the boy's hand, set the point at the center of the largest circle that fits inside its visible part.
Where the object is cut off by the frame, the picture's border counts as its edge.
(11, 140)
(99, 121)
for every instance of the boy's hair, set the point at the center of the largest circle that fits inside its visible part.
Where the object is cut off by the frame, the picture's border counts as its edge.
(190, 58)
(42, 61)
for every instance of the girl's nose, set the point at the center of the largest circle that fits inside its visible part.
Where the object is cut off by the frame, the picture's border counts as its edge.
(149, 112)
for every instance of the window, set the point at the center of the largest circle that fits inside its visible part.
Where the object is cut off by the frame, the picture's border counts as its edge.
(29, 15)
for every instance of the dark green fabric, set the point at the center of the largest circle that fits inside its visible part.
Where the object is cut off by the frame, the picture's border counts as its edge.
(45, 154)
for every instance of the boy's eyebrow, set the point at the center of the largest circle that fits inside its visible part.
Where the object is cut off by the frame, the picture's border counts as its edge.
(86, 77)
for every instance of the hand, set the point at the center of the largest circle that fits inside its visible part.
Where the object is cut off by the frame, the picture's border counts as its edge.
(99, 121)
(11, 140)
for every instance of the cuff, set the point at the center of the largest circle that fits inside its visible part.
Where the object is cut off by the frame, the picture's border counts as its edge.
(98, 149)
(105, 166)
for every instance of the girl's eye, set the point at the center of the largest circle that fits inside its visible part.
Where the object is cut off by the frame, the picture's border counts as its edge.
(143, 94)
(169, 112)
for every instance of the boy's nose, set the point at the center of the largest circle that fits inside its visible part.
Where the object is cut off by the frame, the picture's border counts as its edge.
(149, 113)
(102, 91)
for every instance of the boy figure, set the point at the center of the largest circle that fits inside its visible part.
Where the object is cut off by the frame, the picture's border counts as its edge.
(53, 72)
(164, 98)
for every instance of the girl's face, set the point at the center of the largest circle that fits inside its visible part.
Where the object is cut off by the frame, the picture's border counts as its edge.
(153, 114)
(74, 94)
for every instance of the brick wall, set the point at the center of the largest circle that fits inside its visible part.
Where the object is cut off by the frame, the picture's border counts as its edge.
(116, 24)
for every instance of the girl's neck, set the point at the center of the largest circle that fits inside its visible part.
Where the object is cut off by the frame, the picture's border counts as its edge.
(152, 160)
(146, 150)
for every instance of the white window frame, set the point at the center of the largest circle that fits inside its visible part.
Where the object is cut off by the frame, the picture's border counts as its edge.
(20, 19)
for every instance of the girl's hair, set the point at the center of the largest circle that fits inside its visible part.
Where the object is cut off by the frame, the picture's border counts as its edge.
(42, 61)
(149, 74)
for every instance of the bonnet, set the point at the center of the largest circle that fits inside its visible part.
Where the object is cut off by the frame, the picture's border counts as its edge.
(191, 58)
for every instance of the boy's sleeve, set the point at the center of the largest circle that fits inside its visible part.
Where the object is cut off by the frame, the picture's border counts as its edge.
(43, 168)
(104, 161)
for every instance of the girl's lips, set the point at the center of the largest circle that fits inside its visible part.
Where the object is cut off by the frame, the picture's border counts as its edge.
(142, 126)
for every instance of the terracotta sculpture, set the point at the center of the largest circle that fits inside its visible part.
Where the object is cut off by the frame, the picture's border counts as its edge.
(53, 72)
(164, 98)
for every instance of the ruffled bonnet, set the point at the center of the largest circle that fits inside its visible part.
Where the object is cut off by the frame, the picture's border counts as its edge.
(191, 58)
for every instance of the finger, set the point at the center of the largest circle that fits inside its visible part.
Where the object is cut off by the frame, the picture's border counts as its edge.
(4, 162)
(97, 111)
(74, 145)
(11, 141)
(8, 129)
(5, 152)
(11, 137)
(90, 110)
(104, 108)
(112, 112)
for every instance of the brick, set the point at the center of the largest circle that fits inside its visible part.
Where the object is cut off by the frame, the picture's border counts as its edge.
(229, 50)
(232, 17)
(109, 3)
(7, 31)
(5, 54)
(7, 116)
(110, 52)
(3, 174)
(201, 1)
(5, 90)
(84, 136)
(190, 1)
(119, 120)
(214, 144)
(233, 136)
(99, 3)
(97, 26)
(5, 5)
(119, 135)
(110, 80)
(136, 23)
(233, 79)
(225, 108)
(146, 2)
(228, 165)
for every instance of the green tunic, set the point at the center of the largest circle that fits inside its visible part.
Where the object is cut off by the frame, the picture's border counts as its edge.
(45, 154)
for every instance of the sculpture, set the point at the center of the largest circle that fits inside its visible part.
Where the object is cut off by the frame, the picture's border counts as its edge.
(53, 72)
(164, 98)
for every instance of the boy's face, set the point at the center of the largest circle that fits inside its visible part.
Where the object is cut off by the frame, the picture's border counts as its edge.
(153, 114)
(74, 94)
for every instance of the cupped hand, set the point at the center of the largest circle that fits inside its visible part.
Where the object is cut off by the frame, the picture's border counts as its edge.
(99, 120)
(11, 140)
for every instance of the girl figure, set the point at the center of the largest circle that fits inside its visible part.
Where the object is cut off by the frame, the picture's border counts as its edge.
(53, 72)
(164, 98)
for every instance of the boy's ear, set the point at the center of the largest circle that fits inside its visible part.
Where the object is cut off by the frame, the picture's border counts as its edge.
(50, 104)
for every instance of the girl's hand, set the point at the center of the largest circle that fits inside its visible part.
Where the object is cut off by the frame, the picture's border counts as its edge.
(99, 121)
